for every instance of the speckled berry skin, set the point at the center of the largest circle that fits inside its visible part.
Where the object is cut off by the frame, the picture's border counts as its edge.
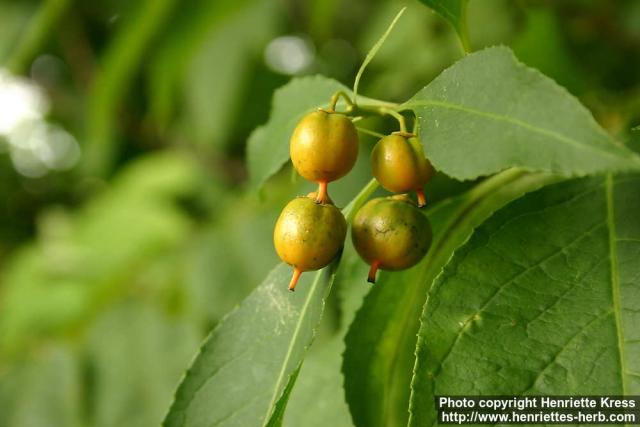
(399, 163)
(391, 232)
(308, 235)
(324, 146)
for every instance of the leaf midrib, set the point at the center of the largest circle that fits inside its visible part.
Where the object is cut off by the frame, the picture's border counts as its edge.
(296, 332)
(615, 278)
(615, 287)
(517, 122)
(509, 282)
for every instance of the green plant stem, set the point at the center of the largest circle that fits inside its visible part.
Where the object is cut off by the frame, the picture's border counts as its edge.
(399, 117)
(463, 30)
(377, 103)
(371, 106)
(382, 109)
(36, 34)
(350, 210)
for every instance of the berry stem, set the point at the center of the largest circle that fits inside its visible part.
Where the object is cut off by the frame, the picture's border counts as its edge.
(422, 199)
(322, 196)
(371, 278)
(294, 279)
(399, 117)
(334, 101)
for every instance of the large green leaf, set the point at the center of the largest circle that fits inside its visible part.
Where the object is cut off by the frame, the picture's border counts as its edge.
(543, 299)
(245, 367)
(489, 112)
(269, 145)
(379, 356)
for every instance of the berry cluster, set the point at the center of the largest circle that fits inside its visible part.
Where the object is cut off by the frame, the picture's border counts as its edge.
(388, 233)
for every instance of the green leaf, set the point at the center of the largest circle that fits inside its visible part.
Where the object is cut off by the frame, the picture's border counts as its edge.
(541, 300)
(36, 33)
(191, 27)
(14, 19)
(318, 399)
(87, 258)
(137, 354)
(278, 411)
(489, 112)
(246, 364)
(454, 11)
(269, 145)
(212, 93)
(377, 380)
(43, 389)
(118, 67)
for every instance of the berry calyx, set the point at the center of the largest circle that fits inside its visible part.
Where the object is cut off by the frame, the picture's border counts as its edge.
(309, 235)
(399, 164)
(323, 148)
(391, 234)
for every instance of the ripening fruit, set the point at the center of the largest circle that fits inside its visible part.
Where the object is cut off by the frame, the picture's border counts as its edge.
(391, 234)
(323, 148)
(399, 164)
(308, 235)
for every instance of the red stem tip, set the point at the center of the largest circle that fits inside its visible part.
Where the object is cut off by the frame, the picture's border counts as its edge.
(322, 196)
(371, 278)
(294, 279)
(422, 199)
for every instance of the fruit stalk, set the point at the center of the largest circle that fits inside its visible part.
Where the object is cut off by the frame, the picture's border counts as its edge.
(371, 278)
(295, 278)
(422, 199)
(334, 101)
(322, 196)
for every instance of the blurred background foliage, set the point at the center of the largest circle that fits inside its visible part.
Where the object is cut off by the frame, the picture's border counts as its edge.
(125, 229)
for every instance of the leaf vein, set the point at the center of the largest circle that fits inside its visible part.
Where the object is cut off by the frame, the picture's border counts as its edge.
(513, 279)
(581, 331)
(615, 277)
(296, 332)
(517, 122)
